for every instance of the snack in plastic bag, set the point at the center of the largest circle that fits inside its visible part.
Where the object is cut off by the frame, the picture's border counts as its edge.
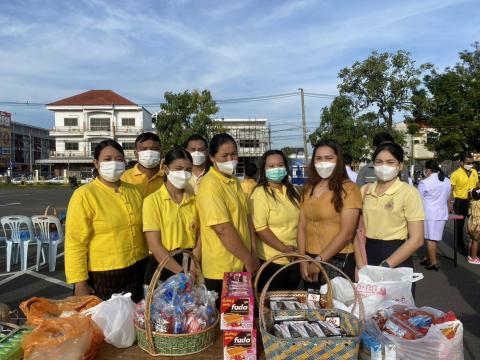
(37, 309)
(71, 338)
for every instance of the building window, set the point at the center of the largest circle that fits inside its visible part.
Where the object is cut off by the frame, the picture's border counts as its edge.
(71, 146)
(93, 146)
(128, 121)
(70, 122)
(128, 145)
(252, 143)
(100, 124)
(432, 137)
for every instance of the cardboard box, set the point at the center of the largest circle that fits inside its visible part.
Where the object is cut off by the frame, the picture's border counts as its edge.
(240, 345)
(237, 302)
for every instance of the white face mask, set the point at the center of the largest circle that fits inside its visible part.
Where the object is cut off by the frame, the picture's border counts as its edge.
(468, 167)
(179, 178)
(111, 171)
(385, 172)
(227, 167)
(325, 169)
(198, 158)
(149, 158)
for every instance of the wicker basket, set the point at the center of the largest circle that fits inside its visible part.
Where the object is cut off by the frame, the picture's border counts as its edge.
(326, 300)
(160, 344)
(315, 347)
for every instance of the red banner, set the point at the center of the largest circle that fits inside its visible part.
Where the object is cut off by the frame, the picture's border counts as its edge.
(5, 139)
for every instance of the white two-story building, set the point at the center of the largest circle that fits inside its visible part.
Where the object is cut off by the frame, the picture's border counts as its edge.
(84, 120)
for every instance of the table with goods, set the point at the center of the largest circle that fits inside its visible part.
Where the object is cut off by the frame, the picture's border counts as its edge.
(374, 318)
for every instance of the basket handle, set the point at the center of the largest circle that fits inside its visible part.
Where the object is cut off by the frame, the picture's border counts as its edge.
(320, 264)
(153, 285)
(271, 260)
(50, 207)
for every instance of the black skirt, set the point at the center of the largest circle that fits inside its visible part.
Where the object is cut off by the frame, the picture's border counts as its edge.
(345, 262)
(379, 250)
(288, 279)
(129, 279)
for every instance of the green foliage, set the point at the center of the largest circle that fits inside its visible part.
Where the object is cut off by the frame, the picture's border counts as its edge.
(452, 106)
(183, 114)
(383, 83)
(352, 130)
(341, 122)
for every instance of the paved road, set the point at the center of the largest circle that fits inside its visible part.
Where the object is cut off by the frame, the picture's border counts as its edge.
(456, 289)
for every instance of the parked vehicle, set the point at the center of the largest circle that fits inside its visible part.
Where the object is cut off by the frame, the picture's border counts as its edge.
(56, 180)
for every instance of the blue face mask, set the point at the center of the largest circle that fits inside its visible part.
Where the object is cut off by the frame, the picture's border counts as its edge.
(276, 174)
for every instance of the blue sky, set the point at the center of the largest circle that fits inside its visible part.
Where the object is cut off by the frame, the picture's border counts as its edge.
(54, 49)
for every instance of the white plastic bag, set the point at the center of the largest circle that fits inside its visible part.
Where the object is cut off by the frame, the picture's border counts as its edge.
(396, 283)
(343, 297)
(115, 318)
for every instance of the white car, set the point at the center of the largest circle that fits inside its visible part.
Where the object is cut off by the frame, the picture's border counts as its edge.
(86, 180)
(56, 180)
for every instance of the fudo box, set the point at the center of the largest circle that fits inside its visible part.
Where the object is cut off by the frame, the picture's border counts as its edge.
(237, 302)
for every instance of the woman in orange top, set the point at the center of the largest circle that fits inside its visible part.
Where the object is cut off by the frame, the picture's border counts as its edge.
(329, 214)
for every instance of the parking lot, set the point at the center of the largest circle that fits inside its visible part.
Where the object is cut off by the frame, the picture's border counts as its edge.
(456, 289)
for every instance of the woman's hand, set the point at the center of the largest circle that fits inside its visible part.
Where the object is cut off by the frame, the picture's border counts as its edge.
(288, 249)
(252, 264)
(82, 289)
(304, 271)
(313, 270)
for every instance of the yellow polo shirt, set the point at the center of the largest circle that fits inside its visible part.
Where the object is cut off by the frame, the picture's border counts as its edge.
(462, 183)
(221, 200)
(194, 183)
(103, 230)
(177, 223)
(247, 186)
(148, 186)
(386, 216)
(280, 215)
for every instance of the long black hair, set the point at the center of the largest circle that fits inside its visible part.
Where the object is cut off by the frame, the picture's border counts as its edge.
(433, 166)
(292, 194)
(336, 180)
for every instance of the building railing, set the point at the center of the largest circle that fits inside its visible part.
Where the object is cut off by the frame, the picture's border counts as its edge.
(78, 130)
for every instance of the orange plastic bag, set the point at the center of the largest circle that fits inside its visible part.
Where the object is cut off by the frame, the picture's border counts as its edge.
(38, 309)
(71, 338)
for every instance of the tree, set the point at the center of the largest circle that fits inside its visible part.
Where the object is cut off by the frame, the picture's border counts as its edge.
(183, 114)
(342, 122)
(450, 104)
(384, 83)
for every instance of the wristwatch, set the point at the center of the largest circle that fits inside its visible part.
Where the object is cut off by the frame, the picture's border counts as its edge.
(384, 263)
(319, 258)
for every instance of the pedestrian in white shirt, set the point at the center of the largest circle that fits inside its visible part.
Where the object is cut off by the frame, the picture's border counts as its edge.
(352, 175)
(435, 190)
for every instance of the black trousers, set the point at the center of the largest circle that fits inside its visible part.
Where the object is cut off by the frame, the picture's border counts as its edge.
(288, 279)
(345, 262)
(152, 267)
(460, 206)
(379, 250)
(215, 285)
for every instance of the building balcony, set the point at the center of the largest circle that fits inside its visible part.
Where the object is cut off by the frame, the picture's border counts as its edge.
(66, 130)
(128, 130)
(67, 153)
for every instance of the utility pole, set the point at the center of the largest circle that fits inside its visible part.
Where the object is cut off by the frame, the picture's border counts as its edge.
(304, 125)
(30, 143)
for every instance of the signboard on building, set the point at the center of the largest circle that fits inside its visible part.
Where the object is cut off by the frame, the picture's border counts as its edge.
(5, 139)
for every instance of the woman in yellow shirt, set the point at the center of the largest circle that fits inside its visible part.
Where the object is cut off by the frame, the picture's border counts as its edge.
(392, 212)
(274, 205)
(225, 226)
(329, 214)
(170, 219)
(105, 251)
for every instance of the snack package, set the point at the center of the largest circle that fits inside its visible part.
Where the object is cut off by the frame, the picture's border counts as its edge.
(240, 345)
(237, 302)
